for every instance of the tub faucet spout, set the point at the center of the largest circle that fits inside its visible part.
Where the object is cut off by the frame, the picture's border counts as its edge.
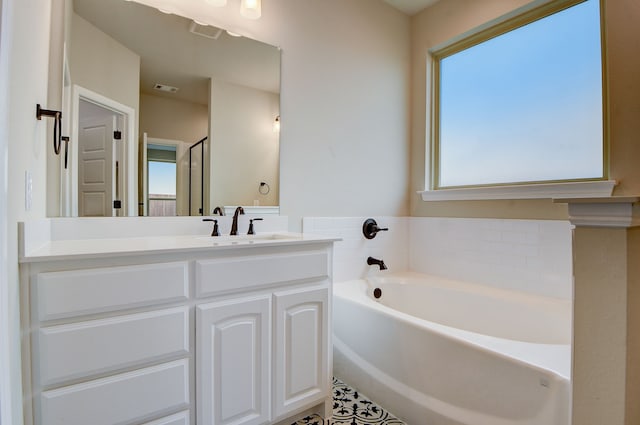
(371, 261)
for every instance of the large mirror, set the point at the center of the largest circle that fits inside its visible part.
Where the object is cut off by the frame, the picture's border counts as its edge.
(168, 116)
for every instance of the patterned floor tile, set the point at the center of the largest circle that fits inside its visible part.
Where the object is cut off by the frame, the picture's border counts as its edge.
(350, 407)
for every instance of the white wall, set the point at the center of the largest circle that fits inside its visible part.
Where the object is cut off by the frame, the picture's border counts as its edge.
(5, 329)
(243, 147)
(25, 55)
(345, 96)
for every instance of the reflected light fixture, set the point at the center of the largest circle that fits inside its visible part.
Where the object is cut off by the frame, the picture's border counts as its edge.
(251, 9)
(217, 3)
(276, 125)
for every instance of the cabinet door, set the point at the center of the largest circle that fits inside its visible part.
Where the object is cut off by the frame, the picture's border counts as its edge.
(302, 349)
(233, 357)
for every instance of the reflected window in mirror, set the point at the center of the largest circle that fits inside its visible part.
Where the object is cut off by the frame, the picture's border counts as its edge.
(161, 166)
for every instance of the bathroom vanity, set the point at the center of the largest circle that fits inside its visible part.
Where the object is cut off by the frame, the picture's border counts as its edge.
(177, 330)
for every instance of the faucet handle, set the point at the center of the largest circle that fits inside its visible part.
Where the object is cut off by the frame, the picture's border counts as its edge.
(370, 228)
(251, 232)
(215, 231)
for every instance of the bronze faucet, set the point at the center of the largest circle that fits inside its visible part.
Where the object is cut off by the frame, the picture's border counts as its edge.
(374, 261)
(234, 224)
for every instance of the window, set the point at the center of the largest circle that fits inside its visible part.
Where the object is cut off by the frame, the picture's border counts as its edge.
(524, 105)
(161, 167)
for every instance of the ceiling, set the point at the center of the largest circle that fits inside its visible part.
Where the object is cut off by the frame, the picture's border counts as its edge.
(411, 7)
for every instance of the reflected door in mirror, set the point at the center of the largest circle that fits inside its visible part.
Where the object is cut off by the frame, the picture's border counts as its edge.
(99, 159)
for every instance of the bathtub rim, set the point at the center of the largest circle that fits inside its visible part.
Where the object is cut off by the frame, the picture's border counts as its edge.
(554, 358)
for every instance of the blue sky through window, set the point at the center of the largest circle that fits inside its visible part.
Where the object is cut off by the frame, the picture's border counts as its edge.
(162, 178)
(526, 105)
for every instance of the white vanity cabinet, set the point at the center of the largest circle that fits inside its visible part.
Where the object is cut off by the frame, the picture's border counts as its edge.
(205, 337)
(265, 352)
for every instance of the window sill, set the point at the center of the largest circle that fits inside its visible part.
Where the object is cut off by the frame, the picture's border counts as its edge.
(590, 189)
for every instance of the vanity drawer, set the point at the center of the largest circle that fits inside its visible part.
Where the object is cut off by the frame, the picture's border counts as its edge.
(85, 349)
(226, 275)
(120, 399)
(79, 292)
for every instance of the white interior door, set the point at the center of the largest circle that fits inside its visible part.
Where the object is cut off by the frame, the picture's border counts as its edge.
(95, 166)
(88, 104)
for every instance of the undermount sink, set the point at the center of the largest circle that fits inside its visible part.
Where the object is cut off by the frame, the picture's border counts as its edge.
(248, 239)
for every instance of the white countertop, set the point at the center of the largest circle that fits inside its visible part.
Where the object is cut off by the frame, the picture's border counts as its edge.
(89, 237)
(111, 247)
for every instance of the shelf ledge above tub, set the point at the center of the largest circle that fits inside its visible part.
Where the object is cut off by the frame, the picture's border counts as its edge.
(613, 211)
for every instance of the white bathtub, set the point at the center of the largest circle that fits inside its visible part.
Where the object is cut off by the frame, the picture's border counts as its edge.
(440, 352)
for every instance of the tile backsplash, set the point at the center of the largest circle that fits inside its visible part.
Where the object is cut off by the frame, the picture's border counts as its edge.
(525, 255)
(350, 254)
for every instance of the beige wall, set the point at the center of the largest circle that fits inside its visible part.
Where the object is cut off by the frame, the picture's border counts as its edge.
(622, 33)
(449, 18)
(173, 119)
(606, 375)
(244, 149)
(101, 64)
(600, 269)
(632, 385)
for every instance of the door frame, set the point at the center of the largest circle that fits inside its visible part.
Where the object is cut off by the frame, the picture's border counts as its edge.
(65, 206)
(130, 167)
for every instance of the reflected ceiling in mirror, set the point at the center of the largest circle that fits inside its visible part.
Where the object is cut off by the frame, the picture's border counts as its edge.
(180, 52)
